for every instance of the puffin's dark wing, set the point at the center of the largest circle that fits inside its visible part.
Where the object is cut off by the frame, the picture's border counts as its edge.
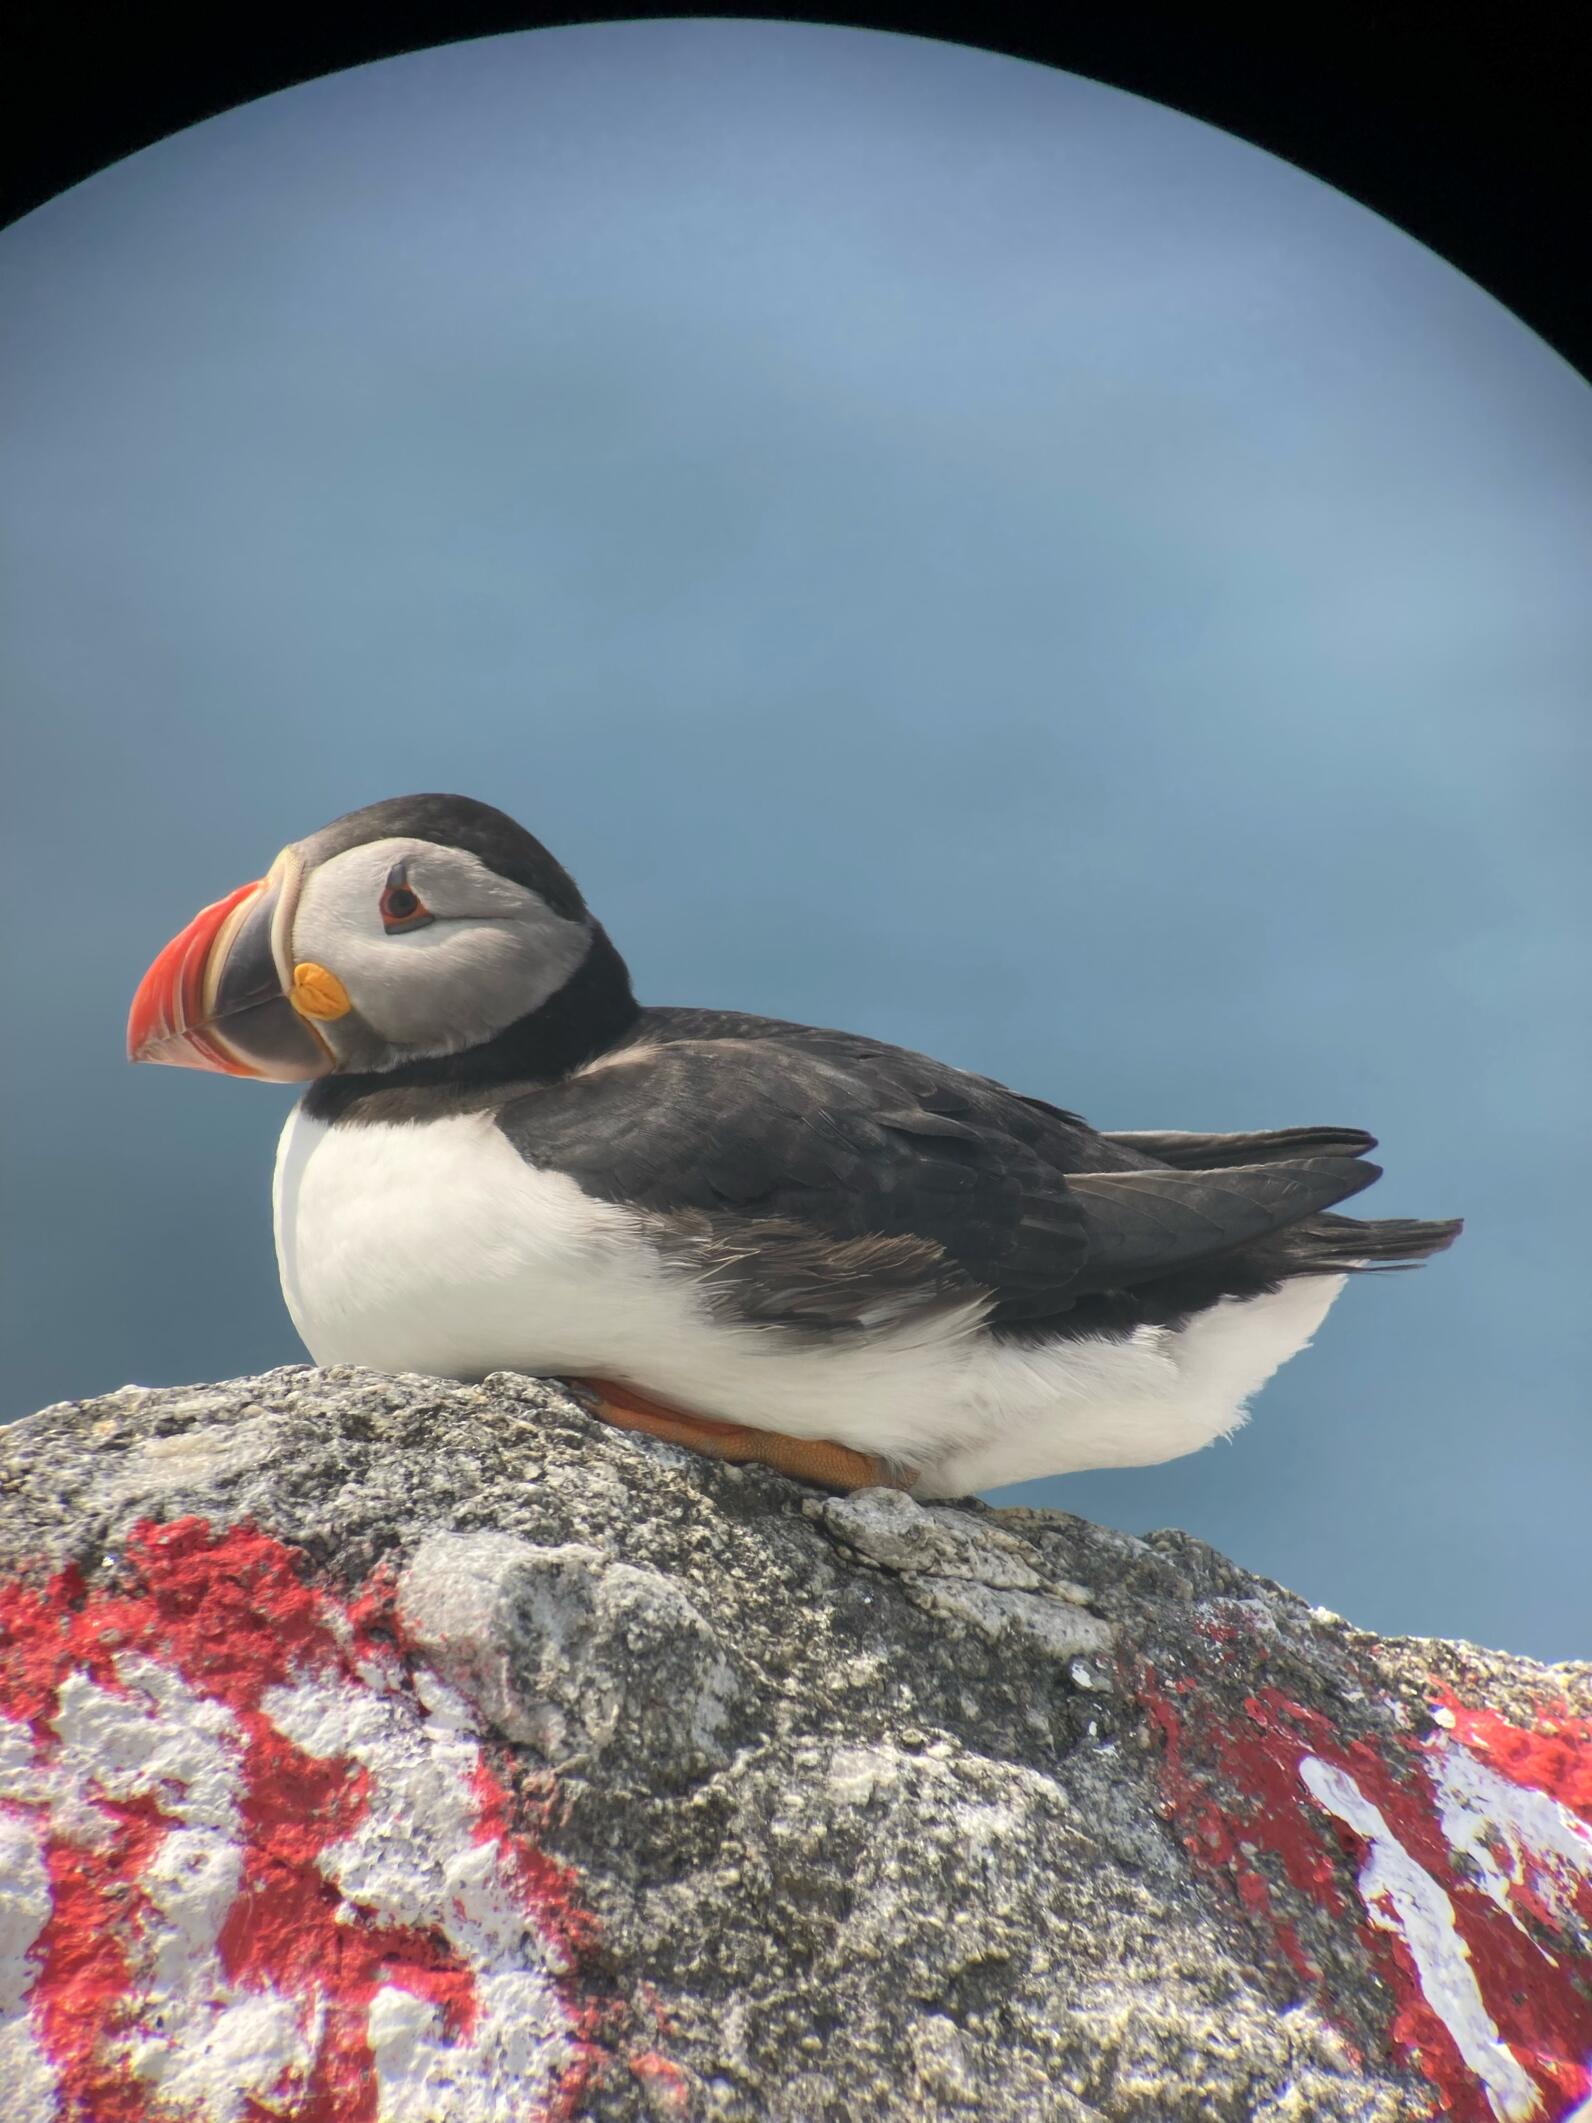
(1170, 1220)
(789, 1163)
(1206, 1153)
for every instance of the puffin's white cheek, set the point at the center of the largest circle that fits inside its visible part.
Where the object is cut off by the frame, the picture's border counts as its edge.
(448, 986)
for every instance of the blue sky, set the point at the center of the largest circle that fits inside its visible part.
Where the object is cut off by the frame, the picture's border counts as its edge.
(937, 546)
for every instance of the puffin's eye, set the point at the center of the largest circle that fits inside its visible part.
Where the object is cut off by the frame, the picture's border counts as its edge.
(402, 907)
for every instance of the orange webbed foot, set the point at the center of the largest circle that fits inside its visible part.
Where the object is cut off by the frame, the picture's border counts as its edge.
(818, 1460)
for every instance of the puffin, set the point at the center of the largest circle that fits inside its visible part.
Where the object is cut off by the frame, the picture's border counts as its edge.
(766, 1241)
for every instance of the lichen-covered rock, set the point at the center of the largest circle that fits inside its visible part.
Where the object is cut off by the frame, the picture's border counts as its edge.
(582, 1657)
(381, 1748)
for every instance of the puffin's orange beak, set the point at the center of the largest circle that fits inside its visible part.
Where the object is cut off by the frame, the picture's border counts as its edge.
(216, 997)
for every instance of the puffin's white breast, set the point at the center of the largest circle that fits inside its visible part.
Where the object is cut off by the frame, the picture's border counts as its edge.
(432, 1246)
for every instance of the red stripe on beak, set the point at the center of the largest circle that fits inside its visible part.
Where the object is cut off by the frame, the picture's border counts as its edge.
(166, 1023)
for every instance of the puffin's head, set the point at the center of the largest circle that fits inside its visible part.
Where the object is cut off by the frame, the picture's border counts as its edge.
(411, 929)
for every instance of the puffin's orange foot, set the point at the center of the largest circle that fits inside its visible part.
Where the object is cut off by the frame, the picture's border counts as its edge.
(810, 1459)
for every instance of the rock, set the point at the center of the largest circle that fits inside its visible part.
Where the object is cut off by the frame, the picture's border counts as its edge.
(380, 1747)
(578, 1655)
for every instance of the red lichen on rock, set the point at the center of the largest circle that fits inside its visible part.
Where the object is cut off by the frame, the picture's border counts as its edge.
(1553, 1754)
(1471, 1907)
(142, 1730)
(667, 2086)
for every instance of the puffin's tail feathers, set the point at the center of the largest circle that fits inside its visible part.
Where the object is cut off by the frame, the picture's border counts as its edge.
(1344, 1245)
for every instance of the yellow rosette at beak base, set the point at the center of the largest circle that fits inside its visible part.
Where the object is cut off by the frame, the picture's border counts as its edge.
(317, 992)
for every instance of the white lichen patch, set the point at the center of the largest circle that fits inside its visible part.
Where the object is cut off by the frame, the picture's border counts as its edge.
(574, 1653)
(887, 1527)
(1055, 1628)
(192, 1459)
(26, 2073)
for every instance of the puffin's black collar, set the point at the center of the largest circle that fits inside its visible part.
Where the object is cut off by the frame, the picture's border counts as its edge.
(589, 1014)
